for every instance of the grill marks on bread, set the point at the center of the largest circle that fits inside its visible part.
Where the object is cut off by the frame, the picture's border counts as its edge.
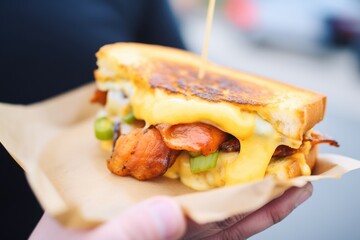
(183, 79)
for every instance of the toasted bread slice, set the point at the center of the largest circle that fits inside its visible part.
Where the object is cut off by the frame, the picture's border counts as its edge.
(290, 110)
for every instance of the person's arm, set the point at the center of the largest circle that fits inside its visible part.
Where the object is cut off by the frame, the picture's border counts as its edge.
(163, 218)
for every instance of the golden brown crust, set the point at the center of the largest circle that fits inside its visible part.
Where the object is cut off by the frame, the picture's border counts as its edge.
(183, 79)
(291, 110)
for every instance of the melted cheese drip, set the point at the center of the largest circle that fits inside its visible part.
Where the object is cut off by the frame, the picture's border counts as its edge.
(287, 167)
(258, 138)
(205, 180)
(300, 157)
(174, 109)
(253, 159)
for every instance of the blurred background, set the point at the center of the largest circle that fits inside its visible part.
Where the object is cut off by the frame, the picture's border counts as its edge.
(311, 44)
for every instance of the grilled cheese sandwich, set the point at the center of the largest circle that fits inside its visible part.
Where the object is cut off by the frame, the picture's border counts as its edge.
(159, 85)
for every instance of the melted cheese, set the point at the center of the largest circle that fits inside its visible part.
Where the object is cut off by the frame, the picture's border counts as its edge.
(293, 165)
(300, 157)
(204, 180)
(305, 169)
(174, 109)
(254, 157)
(280, 168)
(258, 138)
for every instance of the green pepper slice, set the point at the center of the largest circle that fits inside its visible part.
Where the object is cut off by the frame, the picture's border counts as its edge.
(203, 163)
(104, 128)
(129, 118)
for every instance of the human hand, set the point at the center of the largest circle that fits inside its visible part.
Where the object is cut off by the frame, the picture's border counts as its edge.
(162, 218)
(155, 218)
(246, 225)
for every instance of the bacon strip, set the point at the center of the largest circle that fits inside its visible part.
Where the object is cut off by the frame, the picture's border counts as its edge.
(233, 145)
(193, 137)
(317, 138)
(99, 97)
(283, 151)
(230, 145)
(148, 153)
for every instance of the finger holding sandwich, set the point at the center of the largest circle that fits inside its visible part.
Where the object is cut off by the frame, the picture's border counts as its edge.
(224, 129)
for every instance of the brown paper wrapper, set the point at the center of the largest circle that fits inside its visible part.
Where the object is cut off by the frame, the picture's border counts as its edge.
(53, 142)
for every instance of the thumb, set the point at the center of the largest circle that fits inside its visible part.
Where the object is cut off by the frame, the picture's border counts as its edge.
(156, 218)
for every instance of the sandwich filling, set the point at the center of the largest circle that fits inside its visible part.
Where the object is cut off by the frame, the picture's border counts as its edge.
(202, 143)
(224, 129)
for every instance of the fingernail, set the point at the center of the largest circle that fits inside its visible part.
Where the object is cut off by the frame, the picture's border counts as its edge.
(304, 194)
(168, 218)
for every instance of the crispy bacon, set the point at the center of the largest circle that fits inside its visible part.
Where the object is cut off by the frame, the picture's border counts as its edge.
(233, 145)
(230, 145)
(148, 153)
(99, 97)
(142, 154)
(193, 137)
(283, 151)
(317, 138)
